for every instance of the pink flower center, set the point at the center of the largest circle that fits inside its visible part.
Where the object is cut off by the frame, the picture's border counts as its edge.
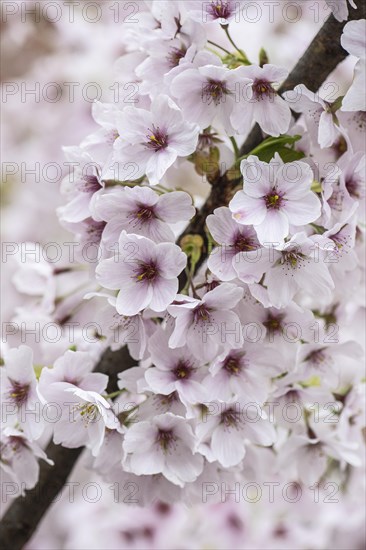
(220, 9)
(145, 213)
(214, 92)
(273, 324)
(88, 184)
(183, 370)
(165, 439)
(233, 364)
(230, 418)
(292, 259)
(146, 272)
(157, 139)
(262, 89)
(175, 55)
(19, 393)
(201, 314)
(316, 357)
(354, 188)
(94, 230)
(273, 200)
(244, 244)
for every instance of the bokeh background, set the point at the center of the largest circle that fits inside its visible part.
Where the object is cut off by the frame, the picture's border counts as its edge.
(49, 49)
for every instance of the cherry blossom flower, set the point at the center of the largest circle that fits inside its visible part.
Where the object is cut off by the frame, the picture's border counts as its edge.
(144, 273)
(223, 433)
(19, 459)
(173, 370)
(120, 330)
(318, 113)
(72, 369)
(310, 454)
(142, 211)
(275, 195)
(353, 40)
(222, 11)
(85, 417)
(165, 445)
(19, 392)
(208, 94)
(326, 360)
(234, 240)
(240, 373)
(295, 266)
(81, 186)
(340, 8)
(261, 103)
(207, 324)
(153, 140)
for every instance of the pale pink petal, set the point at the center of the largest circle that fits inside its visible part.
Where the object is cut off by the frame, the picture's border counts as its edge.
(302, 212)
(247, 210)
(273, 229)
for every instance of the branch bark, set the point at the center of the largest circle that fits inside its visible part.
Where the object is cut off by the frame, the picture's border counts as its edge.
(25, 513)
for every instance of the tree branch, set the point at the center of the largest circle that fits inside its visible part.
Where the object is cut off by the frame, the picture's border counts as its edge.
(25, 513)
(23, 516)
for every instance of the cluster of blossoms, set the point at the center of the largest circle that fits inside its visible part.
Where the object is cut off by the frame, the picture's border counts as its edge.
(251, 367)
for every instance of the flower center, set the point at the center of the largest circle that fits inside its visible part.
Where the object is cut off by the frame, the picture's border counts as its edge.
(262, 89)
(214, 92)
(146, 272)
(353, 187)
(175, 55)
(244, 244)
(89, 184)
(94, 230)
(182, 371)
(292, 259)
(232, 365)
(19, 393)
(230, 418)
(201, 314)
(273, 201)
(165, 439)
(145, 213)
(88, 412)
(316, 357)
(220, 9)
(157, 139)
(273, 324)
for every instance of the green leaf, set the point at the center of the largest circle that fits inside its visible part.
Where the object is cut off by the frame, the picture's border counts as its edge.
(266, 150)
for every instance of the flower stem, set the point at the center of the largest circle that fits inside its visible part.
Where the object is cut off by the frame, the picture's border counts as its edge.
(226, 29)
(236, 148)
(218, 46)
(113, 394)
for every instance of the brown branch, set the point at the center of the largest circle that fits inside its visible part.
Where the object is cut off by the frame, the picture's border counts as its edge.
(25, 513)
(23, 516)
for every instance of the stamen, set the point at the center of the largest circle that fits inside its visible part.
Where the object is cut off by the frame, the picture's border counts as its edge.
(19, 393)
(183, 370)
(220, 9)
(165, 438)
(273, 201)
(214, 92)
(263, 89)
(157, 139)
(146, 272)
